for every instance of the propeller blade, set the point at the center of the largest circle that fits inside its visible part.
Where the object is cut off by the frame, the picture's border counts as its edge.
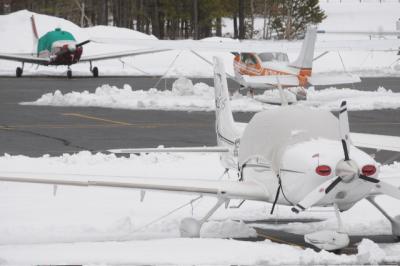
(344, 129)
(369, 179)
(333, 184)
(82, 43)
(316, 195)
(388, 189)
(345, 150)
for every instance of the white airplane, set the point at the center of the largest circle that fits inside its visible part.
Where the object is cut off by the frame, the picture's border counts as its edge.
(275, 156)
(257, 64)
(60, 47)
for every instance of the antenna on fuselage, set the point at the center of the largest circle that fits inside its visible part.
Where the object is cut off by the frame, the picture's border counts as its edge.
(282, 95)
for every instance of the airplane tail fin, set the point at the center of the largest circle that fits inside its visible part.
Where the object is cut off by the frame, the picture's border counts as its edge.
(305, 59)
(35, 34)
(227, 134)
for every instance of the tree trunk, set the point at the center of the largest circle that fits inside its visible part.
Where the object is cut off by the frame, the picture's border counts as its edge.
(252, 18)
(219, 27)
(155, 23)
(235, 26)
(242, 28)
(105, 12)
(195, 20)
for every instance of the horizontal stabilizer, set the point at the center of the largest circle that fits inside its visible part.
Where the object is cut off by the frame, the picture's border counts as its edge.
(331, 79)
(182, 149)
(261, 82)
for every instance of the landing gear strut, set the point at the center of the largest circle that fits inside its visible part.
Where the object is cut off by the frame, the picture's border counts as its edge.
(19, 71)
(394, 221)
(328, 239)
(190, 227)
(94, 70)
(69, 73)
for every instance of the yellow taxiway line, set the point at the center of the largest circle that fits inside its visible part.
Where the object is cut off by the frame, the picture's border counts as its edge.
(98, 119)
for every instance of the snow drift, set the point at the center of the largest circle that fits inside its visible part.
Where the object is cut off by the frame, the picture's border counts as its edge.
(184, 96)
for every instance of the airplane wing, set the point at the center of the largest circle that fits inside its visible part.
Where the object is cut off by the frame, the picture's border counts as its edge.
(331, 79)
(172, 149)
(255, 46)
(379, 142)
(358, 32)
(217, 188)
(120, 54)
(25, 58)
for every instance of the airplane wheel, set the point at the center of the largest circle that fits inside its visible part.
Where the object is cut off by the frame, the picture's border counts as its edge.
(18, 72)
(69, 74)
(95, 72)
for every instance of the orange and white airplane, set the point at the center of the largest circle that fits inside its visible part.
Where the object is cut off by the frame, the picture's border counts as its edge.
(267, 69)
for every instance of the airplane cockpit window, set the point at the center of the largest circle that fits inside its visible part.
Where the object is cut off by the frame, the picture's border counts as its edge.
(273, 57)
(251, 60)
(248, 59)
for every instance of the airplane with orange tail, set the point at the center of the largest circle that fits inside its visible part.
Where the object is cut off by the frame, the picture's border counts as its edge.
(269, 69)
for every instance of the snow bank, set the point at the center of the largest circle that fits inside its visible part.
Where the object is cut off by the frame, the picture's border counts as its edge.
(171, 251)
(184, 96)
(369, 252)
(111, 226)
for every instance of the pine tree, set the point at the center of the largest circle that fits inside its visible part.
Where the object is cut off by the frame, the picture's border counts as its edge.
(294, 16)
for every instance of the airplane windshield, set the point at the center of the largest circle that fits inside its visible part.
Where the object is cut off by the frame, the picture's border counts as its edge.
(271, 57)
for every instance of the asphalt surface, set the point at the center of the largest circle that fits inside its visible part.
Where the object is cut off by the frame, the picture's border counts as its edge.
(38, 130)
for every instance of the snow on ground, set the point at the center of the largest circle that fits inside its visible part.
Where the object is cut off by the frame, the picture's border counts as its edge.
(185, 96)
(112, 226)
(341, 16)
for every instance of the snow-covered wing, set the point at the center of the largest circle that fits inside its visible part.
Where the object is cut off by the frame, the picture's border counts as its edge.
(375, 33)
(379, 142)
(25, 58)
(120, 54)
(173, 149)
(254, 46)
(226, 189)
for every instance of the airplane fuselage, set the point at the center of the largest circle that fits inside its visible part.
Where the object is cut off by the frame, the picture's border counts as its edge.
(253, 64)
(60, 47)
(284, 149)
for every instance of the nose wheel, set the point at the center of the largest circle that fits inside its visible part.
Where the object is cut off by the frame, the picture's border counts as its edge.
(69, 73)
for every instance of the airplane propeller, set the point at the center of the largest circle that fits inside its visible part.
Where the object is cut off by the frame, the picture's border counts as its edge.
(71, 47)
(82, 43)
(346, 171)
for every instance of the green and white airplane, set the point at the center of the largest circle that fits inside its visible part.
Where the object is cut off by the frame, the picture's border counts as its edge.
(60, 47)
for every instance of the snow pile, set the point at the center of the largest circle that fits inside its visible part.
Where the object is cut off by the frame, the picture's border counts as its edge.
(369, 252)
(100, 225)
(185, 96)
(227, 229)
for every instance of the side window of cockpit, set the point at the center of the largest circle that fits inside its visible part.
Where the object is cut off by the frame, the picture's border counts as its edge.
(266, 57)
(252, 60)
(243, 57)
(282, 57)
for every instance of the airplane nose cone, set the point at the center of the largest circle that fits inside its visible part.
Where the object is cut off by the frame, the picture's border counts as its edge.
(71, 47)
(347, 170)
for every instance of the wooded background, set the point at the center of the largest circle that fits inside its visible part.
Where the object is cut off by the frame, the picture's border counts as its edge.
(182, 19)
